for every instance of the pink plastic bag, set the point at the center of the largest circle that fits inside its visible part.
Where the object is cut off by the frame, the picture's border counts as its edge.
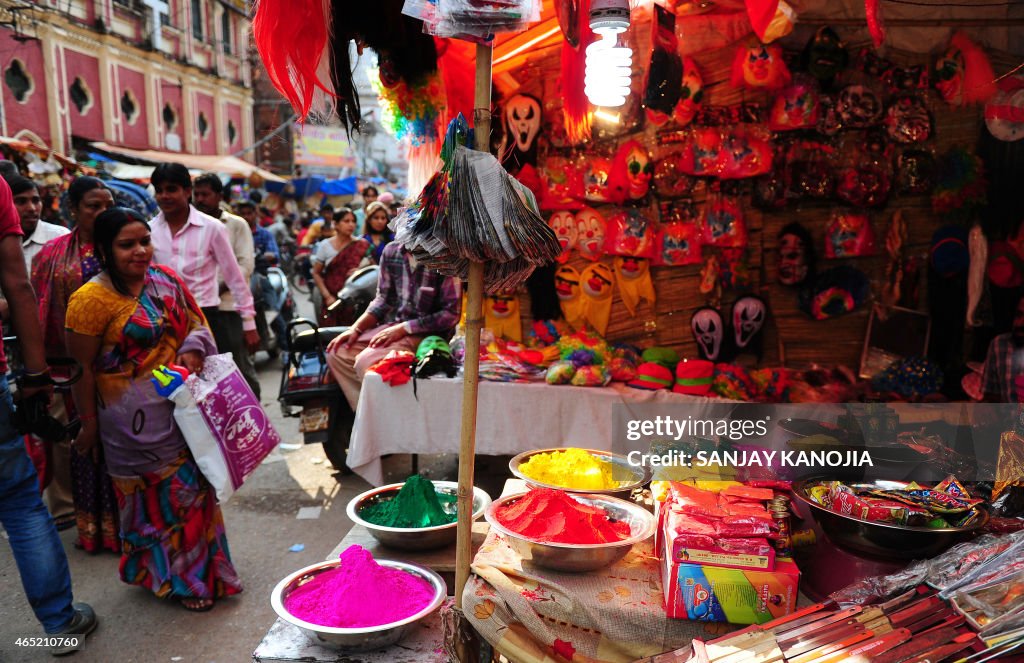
(237, 423)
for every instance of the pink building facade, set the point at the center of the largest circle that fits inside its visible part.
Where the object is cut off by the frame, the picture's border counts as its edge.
(145, 74)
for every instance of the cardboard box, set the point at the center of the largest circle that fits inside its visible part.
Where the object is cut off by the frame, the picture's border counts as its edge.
(717, 594)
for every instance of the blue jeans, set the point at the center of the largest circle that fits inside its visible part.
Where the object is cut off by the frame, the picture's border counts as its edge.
(37, 548)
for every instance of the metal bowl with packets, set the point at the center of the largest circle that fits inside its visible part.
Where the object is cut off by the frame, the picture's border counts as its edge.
(629, 476)
(891, 540)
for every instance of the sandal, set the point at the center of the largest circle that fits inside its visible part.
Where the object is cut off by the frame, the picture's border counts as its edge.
(193, 604)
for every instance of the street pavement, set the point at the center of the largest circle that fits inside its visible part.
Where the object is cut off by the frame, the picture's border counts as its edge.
(262, 525)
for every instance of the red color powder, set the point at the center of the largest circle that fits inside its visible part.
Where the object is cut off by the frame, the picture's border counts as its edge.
(359, 593)
(548, 515)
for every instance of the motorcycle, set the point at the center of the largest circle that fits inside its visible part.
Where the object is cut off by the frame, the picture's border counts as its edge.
(274, 308)
(308, 389)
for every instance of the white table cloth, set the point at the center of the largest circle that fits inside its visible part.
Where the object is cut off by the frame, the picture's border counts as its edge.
(512, 417)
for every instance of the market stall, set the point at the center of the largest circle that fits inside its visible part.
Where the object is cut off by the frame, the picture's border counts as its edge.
(704, 200)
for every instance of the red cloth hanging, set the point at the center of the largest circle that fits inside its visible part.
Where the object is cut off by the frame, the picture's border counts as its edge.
(761, 13)
(876, 26)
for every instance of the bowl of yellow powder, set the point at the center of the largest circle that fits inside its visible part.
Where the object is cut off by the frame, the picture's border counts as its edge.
(579, 470)
(418, 514)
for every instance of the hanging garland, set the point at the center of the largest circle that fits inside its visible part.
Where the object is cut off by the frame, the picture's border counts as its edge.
(416, 111)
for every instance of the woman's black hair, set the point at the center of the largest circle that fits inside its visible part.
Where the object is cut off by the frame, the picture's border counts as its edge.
(20, 184)
(81, 186)
(368, 189)
(341, 212)
(171, 173)
(108, 225)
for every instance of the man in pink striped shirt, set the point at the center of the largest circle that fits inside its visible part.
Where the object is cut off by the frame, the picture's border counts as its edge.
(196, 246)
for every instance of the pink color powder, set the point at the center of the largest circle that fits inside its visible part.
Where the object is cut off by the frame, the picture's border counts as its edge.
(359, 593)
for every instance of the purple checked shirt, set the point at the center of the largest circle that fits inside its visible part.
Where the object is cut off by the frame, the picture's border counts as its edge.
(429, 302)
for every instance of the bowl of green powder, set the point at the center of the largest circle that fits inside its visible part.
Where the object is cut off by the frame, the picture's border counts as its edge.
(418, 514)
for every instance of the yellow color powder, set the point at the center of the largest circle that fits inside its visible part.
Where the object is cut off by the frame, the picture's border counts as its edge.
(570, 468)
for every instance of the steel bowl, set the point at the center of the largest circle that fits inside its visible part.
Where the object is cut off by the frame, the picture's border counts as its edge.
(413, 538)
(886, 540)
(639, 476)
(356, 639)
(578, 557)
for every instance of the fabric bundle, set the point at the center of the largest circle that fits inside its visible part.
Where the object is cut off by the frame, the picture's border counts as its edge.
(474, 211)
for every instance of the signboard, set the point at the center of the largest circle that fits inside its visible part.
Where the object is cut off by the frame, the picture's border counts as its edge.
(323, 146)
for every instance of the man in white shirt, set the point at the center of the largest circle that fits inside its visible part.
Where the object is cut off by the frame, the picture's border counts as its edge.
(30, 205)
(196, 246)
(207, 196)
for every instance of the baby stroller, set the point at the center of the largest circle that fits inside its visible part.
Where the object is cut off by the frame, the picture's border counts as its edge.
(308, 390)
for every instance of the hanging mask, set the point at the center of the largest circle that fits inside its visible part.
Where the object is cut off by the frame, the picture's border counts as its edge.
(905, 79)
(680, 244)
(691, 95)
(748, 316)
(795, 255)
(907, 120)
(522, 120)
(596, 283)
(633, 276)
(915, 172)
(639, 169)
(669, 179)
(590, 233)
(708, 331)
(949, 76)
(825, 55)
(724, 225)
(795, 107)
(849, 235)
(567, 287)
(563, 184)
(597, 180)
(744, 153)
(830, 122)
(859, 107)
(706, 151)
(630, 233)
(501, 315)
(864, 185)
(564, 225)
(757, 66)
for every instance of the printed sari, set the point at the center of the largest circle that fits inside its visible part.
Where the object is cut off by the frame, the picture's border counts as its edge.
(58, 270)
(172, 529)
(336, 271)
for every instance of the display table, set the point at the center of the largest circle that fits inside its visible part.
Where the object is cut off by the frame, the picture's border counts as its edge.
(513, 417)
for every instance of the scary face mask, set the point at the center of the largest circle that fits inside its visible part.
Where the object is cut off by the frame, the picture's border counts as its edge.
(590, 233)
(826, 55)
(639, 169)
(759, 66)
(564, 225)
(793, 263)
(690, 95)
(708, 331)
(949, 76)
(432, 344)
(858, 106)
(597, 180)
(748, 316)
(523, 120)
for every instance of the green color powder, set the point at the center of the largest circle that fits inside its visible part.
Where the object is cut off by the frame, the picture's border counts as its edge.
(417, 504)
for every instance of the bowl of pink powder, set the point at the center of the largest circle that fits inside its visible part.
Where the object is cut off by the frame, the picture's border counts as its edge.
(357, 603)
(571, 532)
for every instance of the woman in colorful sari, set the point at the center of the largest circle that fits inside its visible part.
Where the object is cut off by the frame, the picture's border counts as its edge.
(128, 320)
(334, 261)
(60, 268)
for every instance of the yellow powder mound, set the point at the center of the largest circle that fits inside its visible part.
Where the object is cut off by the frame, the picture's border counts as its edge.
(570, 468)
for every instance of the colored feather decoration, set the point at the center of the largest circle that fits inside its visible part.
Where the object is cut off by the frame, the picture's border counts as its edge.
(291, 36)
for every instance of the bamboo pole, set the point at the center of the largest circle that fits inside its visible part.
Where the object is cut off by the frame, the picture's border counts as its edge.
(474, 320)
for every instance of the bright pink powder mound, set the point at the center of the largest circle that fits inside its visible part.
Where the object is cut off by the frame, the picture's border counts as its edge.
(359, 593)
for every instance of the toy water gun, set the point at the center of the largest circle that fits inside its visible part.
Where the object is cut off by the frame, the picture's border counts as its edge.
(168, 379)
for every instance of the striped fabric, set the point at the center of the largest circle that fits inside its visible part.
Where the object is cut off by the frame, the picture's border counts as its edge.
(198, 253)
(173, 534)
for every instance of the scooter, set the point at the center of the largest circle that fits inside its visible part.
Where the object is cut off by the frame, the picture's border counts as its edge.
(308, 389)
(274, 308)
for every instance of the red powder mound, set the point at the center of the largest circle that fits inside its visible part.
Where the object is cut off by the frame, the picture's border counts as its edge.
(548, 515)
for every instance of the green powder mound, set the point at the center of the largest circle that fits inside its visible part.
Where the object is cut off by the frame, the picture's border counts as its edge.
(417, 504)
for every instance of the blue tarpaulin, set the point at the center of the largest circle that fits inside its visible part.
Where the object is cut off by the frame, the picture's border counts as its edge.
(344, 187)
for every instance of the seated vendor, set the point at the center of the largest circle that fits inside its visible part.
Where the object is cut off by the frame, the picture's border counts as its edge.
(412, 302)
(1005, 362)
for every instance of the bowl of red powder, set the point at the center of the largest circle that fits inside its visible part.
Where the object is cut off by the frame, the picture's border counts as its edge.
(418, 514)
(357, 603)
(572, 532)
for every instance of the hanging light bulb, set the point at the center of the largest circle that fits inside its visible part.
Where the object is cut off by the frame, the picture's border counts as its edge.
(609, 62)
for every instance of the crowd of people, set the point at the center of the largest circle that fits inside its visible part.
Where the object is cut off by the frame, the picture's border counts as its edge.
(121, 295)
